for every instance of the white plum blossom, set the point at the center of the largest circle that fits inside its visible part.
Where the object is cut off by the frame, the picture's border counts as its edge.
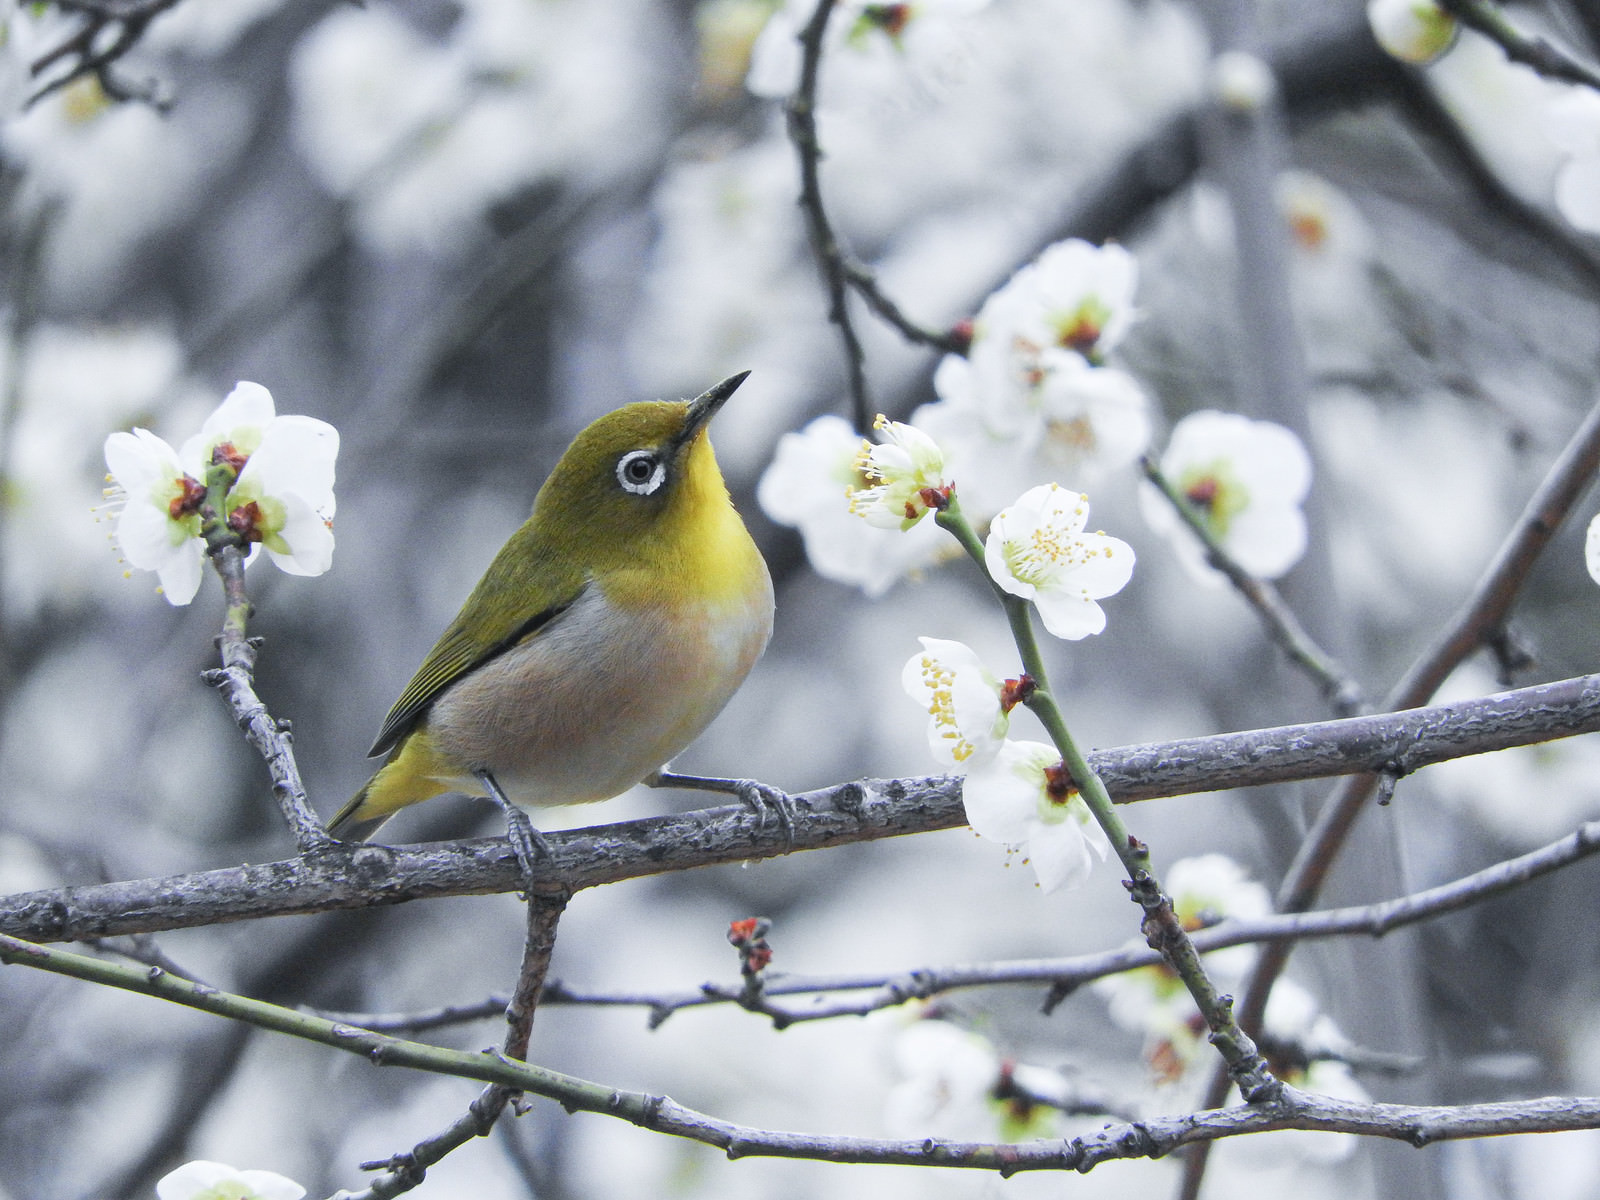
(201, 1180)
(1246, 480)
(967, 714)
(1033, 400)
(903, 477)
(1037, 549)
(158, 528)
(1414, 31)
(1591, 548)
(1075, 296)
(1023, 797)
(287, 489)
(280, 497)
(948, 1085)
(808, 486)
(1575, 128)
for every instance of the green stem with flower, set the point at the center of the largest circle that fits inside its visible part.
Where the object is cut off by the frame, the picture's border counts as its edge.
(1162, 929)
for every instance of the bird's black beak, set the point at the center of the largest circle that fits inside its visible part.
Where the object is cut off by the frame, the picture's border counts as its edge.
(703, 407)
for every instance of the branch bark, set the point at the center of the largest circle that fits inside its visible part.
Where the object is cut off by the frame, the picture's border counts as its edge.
(365, 876)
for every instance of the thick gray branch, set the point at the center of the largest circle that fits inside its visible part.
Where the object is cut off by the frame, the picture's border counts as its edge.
(361, 876)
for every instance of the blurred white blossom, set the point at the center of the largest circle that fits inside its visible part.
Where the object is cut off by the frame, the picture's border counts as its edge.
(201, 1180)
(1246, 480)
(808, 486)
(1023, 797)
(110, 174)
(1504, 108)
(1037, 549)
(1153, 1001)
(1591, 548)
(427, 135)
(1414, 31)
(1575, 127)
(949, 1076)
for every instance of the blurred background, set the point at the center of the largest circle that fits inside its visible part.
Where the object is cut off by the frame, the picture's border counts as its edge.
(461, 229)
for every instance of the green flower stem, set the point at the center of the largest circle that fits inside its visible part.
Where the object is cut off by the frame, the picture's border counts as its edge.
(1162, 929)
(569, 1090)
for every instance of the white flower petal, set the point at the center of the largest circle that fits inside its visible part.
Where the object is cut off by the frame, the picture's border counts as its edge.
(1002, 795)
(1071, 618)
(204, 1179)
(1267, 542)
(296, 456)
(242, 418)
(140, 460)
(181, 572)
(1063, 854)
(1591, 548)
(309, 540)
(962, 698)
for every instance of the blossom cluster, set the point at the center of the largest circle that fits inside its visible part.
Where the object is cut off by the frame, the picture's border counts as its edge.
(1034, 398)
(274, 475)
(1037, 403)
(1017, 793)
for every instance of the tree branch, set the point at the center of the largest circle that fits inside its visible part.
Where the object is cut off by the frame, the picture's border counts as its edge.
(1417, 1125)
(365, 876)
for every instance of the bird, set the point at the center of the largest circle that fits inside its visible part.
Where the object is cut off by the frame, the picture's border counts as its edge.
(604, 637)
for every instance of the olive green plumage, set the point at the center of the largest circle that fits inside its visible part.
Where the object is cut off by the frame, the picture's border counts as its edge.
(605, 635)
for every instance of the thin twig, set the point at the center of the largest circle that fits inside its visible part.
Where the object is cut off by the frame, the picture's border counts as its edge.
(1066, 975)
(1475, 624)
(1336, 684)
(862, 278)
(1417, 1125)
(841, 270)
(272, 739)
(1531, 50)
(404, 1171)
(131, 20)
(801, 112)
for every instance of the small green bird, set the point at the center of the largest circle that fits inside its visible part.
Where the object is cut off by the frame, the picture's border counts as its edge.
(606, 634)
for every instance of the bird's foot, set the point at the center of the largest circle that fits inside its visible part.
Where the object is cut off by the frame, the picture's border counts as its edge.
(527, 843)
(759, 798)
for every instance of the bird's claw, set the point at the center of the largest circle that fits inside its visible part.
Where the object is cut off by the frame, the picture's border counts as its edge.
(527, 843)
(760, 797)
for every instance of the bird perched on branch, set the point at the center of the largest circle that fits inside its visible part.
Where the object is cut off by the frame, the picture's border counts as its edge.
(606, 634)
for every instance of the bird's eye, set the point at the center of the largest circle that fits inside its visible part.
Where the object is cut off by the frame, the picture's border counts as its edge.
(641, 472)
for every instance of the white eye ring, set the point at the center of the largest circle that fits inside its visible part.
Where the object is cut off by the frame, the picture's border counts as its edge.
(641, 472)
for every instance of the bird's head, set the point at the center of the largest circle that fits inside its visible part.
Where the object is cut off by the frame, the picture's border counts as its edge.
(638, 482)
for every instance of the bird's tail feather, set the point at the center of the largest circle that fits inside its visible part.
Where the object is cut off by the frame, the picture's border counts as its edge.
(347, 827)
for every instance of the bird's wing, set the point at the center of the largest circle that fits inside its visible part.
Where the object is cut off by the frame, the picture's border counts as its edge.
(474, 637)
